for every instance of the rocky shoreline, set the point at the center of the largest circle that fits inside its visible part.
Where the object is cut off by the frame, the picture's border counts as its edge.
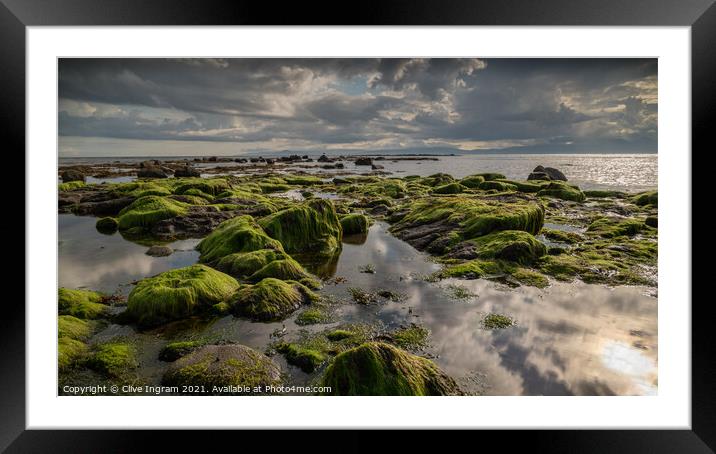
(259, 246)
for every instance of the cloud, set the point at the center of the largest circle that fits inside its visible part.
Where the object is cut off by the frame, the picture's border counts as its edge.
(467, 104)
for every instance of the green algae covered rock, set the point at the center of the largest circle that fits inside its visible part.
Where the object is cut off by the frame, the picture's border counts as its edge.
(467, 217)
(71, 186)
(70, 352)
(474, 269)
(646, 198)
(523, 186)
(239, 234)
(511, 245)
(497, 186)
(311, 228)
(564, 191)
(244, 264)
(611, 227)
(84, 304)
(107, 225)
(286, 270)
(489, 176)
(218, 368)
(210, 186)
(450, 188)
(306, 359)
(599, 194)
(354, 223)
(380, 369)
(178, 293)
(113, 359)
(472, 182)
(73, 327)
(271, 299)
(147, 211)
(438, 179)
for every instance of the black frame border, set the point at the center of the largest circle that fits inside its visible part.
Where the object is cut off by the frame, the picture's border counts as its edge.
(16, 15)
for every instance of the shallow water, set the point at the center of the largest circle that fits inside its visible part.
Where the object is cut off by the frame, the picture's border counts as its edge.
(569, 338)
(109, 263)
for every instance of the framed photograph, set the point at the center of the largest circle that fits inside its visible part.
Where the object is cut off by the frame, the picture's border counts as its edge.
(434, 217)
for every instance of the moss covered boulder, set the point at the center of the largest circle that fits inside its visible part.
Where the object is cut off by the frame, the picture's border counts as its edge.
(236, 235)
(438, 179)
(524, 186)
(210, 186)
(564, 191)
(472, 182)
(147, 211)
(611, 227)
(73, 327)
(380, 369)
(305, 358)
(113, 359)
(70, 352)
(178, 293)
(286, 269)
(271, 299)
(84, 304)
(312, 227)
(354, 224)
(450, 188)
(438, 223)
(220, 367)
(511, 245)
(107, 225)
(497, 186)
(646, 198)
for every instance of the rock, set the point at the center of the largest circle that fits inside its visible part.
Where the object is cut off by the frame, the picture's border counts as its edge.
(149, 164)
(84, 304)
(555, 174)
(562, 191)
(511, 245)
(271, 299)
(72, 175)
(379, 210)
(107, 225)
(104, 207)
(428, 219)
(152, 172)
(312, 228)
(538, 176)
(178, 293)
(450, 188)
(147, 211)
(159, 251)
(217, 366)
(363, 162)
(652, 221)
(354, 223)
(339, 165)
(239, 234)
(198, 222)
(377, 167)
(546, 173)
(324, 158)
(380, 369)
(187, 171)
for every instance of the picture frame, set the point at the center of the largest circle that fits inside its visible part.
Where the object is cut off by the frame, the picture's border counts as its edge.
(700, 15)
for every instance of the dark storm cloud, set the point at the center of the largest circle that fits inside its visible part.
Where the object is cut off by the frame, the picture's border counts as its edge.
(522, 104)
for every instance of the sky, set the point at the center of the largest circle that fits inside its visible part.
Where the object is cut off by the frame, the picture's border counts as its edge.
(229, 107)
